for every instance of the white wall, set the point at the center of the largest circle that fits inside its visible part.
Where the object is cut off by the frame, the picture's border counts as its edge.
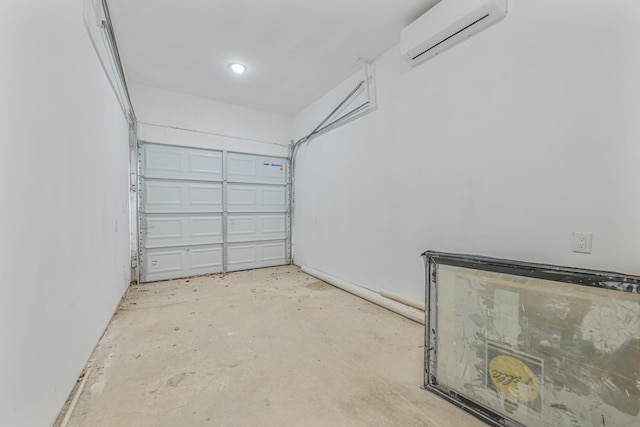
(173, 118)
(502, 146)
(63, 186)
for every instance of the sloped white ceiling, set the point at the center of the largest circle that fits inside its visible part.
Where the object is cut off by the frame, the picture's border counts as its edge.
(295, 50)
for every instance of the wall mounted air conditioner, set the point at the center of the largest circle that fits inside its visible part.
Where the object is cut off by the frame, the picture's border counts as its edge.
(447, 24)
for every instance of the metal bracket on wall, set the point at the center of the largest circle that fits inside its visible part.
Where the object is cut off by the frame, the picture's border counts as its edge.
(288, 214)
(225, 208)
(134, 170)
(141, 219)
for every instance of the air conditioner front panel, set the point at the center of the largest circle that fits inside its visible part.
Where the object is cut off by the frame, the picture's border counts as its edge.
(447, 24)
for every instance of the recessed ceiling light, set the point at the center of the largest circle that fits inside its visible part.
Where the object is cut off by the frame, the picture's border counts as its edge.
(237, 68)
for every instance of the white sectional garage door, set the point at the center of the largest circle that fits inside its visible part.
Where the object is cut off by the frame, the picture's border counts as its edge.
(205, 211)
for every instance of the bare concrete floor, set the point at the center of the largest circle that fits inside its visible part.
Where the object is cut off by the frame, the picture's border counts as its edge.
(271, 347)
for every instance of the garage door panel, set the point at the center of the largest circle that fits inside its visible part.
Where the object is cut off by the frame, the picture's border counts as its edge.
(248, 227)
(206, 260)
(205, 165)
(274, 198)
(207, 227)
(241, 197)
(274, 172)
(162, 162)
(164, 262)
(206, 196)
(256, 169)
(169, 263)
(176, 196)
(243, 256)
(256, 198)
(195, 204)
(182, 163)
(159, 193)
(273, 252)
(274, 224)
(164, 230)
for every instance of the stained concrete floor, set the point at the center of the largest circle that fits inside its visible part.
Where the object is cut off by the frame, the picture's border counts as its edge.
(270, 347)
